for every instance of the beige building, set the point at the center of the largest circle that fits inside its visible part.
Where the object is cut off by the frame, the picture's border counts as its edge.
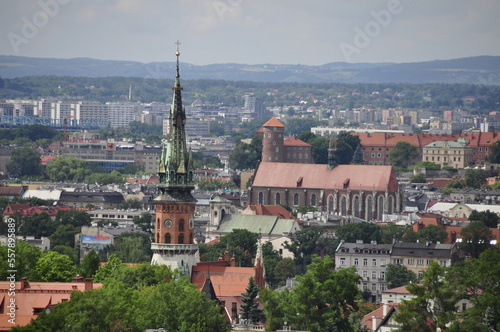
(370, 261)
(448, 153)
(418, 256)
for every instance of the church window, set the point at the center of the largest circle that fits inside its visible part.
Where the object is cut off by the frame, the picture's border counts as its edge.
(313, 200)
(181, 225)
(343, 205)
(330, 204)
(380, 207)
(355, 206)
(181, 238)
(296, 199)
(261, 197)
(369, 208)
(278, 198)
(390, 208)
(168, 238)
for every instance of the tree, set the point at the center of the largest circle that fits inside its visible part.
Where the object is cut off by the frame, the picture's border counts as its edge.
(392, 232)
(306, 243)
(133, 247)
(364, 231)
(64, 235)
(240, 243)
(345, 146)
(404, 154)
(65, 168)
(427, 165)
(476, 238)
(73, 217)
(53, 266)
(494, 156)
(324, 299)
(106, 271)
(250, 307)
(490, 219)
(90, 264)
(357, 157)
(246, 156)
(434, 304)
(131, 203)
(145, 222)
(24, 162)
(25, 261)
(399, 275)
(432, 233)
(475, 178)
(418, 178)
(68, 251)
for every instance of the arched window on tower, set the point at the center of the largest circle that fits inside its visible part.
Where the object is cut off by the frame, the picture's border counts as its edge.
(278, 198)
(181, 225)
(296, 199)
(168, 238)
(261, 197)
(181, 239)
(313, 200)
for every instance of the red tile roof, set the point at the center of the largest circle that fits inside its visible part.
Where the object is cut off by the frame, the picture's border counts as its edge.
(34, 297)
(227, 281)
(11, 191)
(379, 315)
(272, 210)
(294, 141)
(273, 122)
(318, 176)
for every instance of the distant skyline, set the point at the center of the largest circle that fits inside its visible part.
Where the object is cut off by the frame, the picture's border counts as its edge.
(312, 32)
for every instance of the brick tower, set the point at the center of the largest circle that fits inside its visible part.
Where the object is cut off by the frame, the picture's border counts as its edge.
(272, 141)
(174, 225)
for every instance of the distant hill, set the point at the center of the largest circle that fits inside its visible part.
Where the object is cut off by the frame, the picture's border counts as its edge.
(472, 70)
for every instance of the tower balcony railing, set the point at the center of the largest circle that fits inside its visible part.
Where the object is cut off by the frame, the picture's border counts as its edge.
(174, 247)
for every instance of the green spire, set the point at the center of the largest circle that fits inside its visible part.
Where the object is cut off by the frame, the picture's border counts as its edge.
(175, 169)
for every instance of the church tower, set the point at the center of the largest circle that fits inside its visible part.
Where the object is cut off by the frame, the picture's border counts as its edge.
(174, 225)
(272, 141)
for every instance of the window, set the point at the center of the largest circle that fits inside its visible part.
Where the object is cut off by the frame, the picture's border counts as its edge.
(365, 274)
(420, 274)
(356, 261)
(365, 261)
(428, 261)
(382, 275)
(313, 200)
(181, 238)
(383, 287)
(397, 261)
(342, 261)
(278, 198)
(168, 238)
(296, 199)
(374, 262)
(181, 225)
(382, 261)
(374, 275)
(374, 287)
(443, 263)
(261, 197)
(420, 262)
(411, 261)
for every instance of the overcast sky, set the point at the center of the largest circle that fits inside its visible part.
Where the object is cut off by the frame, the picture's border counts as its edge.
(311, 32)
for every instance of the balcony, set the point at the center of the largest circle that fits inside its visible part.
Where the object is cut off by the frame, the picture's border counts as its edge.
(164, 248)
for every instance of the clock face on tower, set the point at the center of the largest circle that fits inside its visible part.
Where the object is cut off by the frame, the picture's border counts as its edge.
(168, 223)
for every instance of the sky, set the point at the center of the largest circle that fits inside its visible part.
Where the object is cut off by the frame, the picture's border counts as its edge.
(308, 32)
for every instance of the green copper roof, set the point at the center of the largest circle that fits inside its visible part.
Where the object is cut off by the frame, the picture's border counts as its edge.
(175, 168)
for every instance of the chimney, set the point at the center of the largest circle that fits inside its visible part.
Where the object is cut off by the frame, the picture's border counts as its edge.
(374, 323)
(232, 262)
(385, 309)
(78, 279)
(24, 284)
(226, 256)
(89, 283)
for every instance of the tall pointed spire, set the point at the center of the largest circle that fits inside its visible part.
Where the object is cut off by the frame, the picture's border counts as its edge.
(175, 168)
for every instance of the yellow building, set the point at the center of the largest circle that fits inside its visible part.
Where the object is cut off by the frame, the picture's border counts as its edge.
(448, 153)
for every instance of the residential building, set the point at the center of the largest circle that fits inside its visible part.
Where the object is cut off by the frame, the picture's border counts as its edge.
(370, 261)
(417, 257)
(449, 153)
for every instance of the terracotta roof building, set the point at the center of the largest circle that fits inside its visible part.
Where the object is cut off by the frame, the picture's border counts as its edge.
(365, 192)
(31, 298)
(277, 148)
(376, 146)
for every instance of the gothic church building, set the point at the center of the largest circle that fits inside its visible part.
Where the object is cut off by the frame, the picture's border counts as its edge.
(363, 191)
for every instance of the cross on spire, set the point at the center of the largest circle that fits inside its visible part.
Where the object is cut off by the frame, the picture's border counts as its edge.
(177, 43)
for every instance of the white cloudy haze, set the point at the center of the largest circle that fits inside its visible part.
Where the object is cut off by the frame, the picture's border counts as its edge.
(311, 32)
